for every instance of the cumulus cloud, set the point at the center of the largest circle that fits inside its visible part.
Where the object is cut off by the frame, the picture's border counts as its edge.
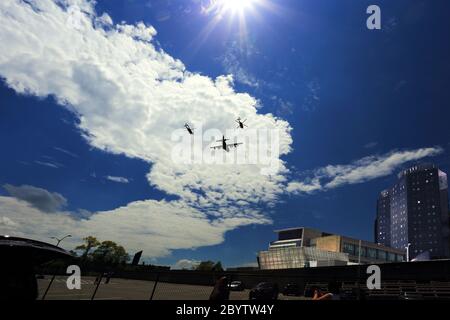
(153, 226)
(117, 179)
(7, 223)
(37, 197)
(185, 264)
(130, 96)
(359, 171)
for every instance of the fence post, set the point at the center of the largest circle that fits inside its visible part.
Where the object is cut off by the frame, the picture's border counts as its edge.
(98, 284)
(49, 285)
(154, 286)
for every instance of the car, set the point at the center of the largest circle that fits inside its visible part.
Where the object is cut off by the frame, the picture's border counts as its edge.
(292, 289)
(264, 291)
(236, 286)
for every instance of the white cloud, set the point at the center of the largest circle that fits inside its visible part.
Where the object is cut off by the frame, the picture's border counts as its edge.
(7, 223)
(130, 96)
(73, 155)
(48, 164)
(153, 226)
(232, 61)
(117, 179)
(304, 187)
(186, 264)
(362, 170)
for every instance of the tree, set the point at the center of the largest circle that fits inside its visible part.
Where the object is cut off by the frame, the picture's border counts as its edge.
(90, 243)
(109, 252)
(209, 266)
(205, 266)
(218, 266)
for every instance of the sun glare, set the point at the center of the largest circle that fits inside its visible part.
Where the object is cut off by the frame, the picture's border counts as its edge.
(233, 15)
(231, 7)
(236, 5)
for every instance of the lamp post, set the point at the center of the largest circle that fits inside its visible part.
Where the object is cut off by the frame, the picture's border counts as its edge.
(54, 275)
(407, 251)
(59, 240)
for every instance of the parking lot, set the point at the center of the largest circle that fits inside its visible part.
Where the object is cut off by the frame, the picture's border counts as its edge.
(125, 289)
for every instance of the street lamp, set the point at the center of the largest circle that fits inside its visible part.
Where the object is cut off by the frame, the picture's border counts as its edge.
(59, 240)
(407, 251)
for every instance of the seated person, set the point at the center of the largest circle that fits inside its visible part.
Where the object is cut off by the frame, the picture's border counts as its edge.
(332, 294)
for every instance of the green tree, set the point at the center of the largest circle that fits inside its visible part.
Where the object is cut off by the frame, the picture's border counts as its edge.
(205, 266)
(90, 242)
(109, 252)
(209, 266)
(218, 266)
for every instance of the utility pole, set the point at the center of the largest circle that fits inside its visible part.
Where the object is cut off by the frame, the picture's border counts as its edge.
(359, 252)
(407, 251)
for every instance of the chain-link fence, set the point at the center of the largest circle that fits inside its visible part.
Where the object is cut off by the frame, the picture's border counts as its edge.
(196, 285)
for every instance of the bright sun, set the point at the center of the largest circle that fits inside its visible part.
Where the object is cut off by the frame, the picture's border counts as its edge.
(232, 7)
(232, 13)
(236, 5)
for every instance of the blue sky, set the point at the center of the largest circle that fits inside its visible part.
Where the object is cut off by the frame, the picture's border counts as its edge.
(365, 102)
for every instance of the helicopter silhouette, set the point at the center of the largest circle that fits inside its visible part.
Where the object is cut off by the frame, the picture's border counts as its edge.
(226, 146)
(241, 124)
(189, 129)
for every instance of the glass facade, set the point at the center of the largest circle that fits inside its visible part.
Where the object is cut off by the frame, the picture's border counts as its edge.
(349, 248)
(370, 254)
(324, 250)
(382, 255)
(298, 257)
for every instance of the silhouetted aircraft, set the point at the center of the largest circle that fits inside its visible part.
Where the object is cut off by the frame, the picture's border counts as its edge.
(189, 129)
(225, 146)
(241, 124)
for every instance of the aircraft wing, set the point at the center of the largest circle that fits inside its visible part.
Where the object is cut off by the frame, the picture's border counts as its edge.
(217, 147)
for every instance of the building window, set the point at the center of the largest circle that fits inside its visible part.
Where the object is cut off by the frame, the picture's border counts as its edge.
(363, 251)
(391, 256)
(349, 248)
(372, 253)
(381, 254)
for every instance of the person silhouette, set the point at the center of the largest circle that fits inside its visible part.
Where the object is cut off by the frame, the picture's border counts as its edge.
(221, 291)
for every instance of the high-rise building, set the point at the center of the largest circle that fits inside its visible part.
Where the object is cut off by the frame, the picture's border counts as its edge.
(383, 221)
(414, 213)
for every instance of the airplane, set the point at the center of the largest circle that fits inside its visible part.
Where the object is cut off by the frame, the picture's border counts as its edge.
(189, 129)
(241, 124)
(225, 146)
